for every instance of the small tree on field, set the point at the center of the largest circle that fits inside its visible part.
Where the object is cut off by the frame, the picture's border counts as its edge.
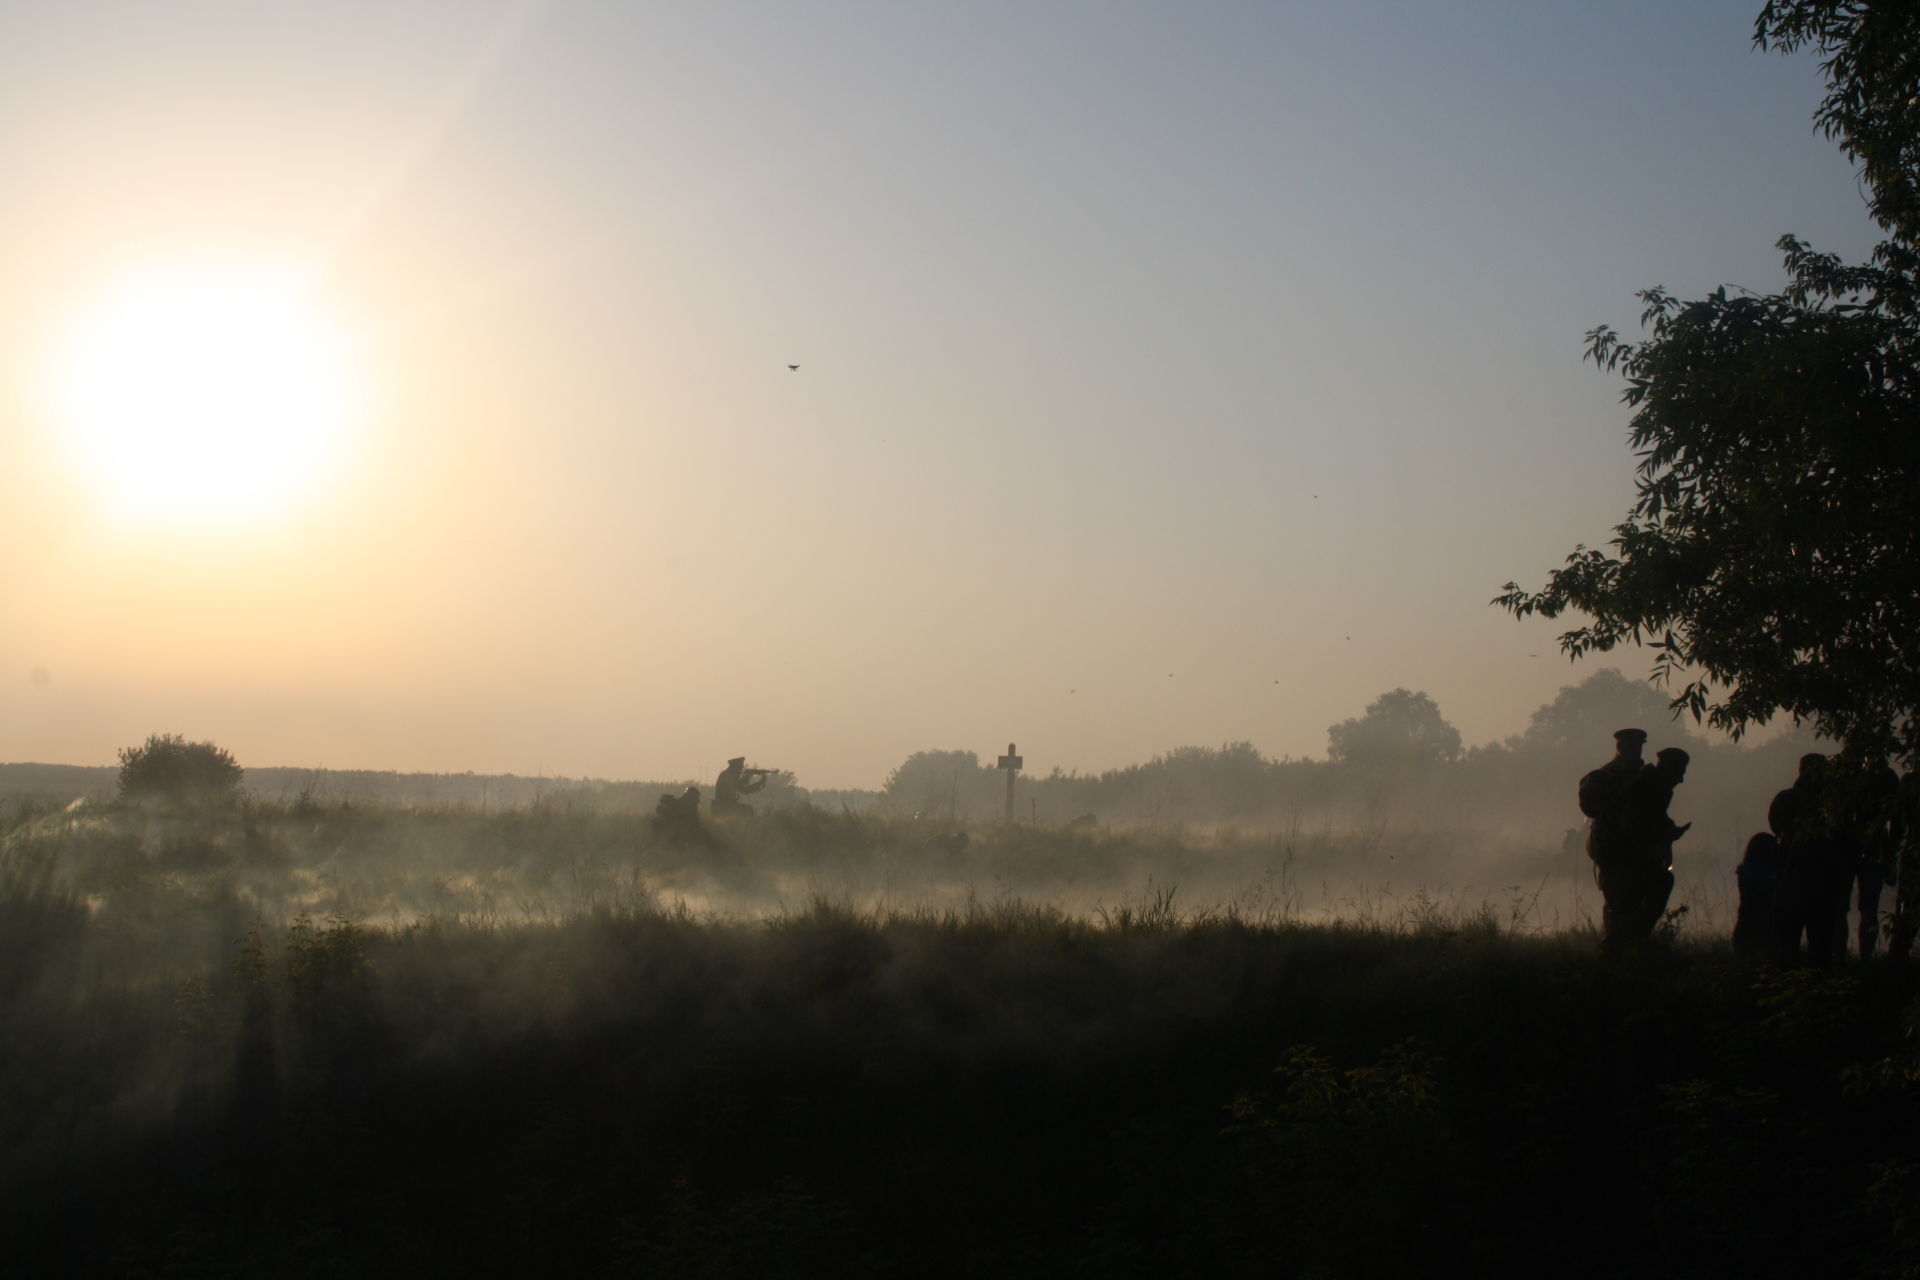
(168, 767)
(1582, 718)
(949, 782)
(1401, 732)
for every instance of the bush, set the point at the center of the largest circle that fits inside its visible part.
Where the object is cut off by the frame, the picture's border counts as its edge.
(168, 767)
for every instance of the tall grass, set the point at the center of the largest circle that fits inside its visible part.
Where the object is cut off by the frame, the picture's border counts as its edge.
(345, 1040)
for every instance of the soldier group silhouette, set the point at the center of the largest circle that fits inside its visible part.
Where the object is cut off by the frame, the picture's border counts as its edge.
(1835, 842)
(1837, 839)
(676, 818)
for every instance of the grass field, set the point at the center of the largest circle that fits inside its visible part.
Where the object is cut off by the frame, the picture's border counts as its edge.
(309, 1040)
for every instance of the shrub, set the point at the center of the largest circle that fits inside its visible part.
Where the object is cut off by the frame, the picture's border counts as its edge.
(168, 767)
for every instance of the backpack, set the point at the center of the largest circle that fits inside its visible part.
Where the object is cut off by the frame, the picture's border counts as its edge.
(1599, 790)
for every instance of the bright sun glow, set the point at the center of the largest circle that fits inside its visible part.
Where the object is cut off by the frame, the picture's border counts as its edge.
(205, 393)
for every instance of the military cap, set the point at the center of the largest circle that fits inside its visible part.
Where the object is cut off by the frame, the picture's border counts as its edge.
(1630, 735)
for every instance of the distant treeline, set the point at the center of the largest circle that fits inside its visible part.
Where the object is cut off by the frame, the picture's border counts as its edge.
(61, 783)
(1398, 764)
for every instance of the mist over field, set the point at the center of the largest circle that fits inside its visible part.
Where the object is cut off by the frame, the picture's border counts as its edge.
(1169, 1018)
(1399, 821)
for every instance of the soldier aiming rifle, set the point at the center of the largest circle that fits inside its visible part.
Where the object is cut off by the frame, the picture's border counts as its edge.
(737, 780)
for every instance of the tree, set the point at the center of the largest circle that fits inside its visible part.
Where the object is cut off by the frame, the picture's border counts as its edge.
(1871, 58)
(1771, 559)
(1772, 556)
(1226, 781)
(1582, 717)
(168, 767)
(948, 782)
(1401, 731)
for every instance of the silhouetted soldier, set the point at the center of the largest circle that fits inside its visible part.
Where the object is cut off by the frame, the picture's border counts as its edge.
(1868, 855)
(1759, 879)
(736, 780)
(1811, 861)
(1600, 791)
(1638, 881)
(1904, 835)
(676, 819)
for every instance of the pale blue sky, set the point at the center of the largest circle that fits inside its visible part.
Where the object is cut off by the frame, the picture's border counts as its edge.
(1148, 353)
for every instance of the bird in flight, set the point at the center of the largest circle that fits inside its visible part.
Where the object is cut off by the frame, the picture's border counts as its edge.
(793, 366)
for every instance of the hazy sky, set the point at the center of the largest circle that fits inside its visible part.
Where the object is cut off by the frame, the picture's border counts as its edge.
(1169, 373)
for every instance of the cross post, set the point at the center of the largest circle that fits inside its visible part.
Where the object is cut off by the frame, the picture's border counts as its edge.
(1011, 762)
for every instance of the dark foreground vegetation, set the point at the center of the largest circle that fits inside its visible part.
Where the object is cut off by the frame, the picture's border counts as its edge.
(989, 1087)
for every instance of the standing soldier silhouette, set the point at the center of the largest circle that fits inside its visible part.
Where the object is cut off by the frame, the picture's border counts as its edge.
(1607, 842)
(1812, 859)
(1758, 878)
(1639, 883)
(1601, 787)
(1870, 859)
(1905, 837)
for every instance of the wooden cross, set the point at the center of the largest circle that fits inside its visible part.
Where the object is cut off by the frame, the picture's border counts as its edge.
(1011, 762)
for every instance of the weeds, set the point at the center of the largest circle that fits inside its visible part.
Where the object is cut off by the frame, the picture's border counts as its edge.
(1154, 913)
(545, 1046)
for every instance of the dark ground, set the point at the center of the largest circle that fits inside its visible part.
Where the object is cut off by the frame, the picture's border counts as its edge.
(1001, 1091)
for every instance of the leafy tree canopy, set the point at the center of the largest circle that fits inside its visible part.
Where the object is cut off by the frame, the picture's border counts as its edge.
(1771, 559)
(168, 767)
(1868, 50)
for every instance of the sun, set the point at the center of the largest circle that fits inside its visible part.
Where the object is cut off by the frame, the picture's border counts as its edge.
(205, 393)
